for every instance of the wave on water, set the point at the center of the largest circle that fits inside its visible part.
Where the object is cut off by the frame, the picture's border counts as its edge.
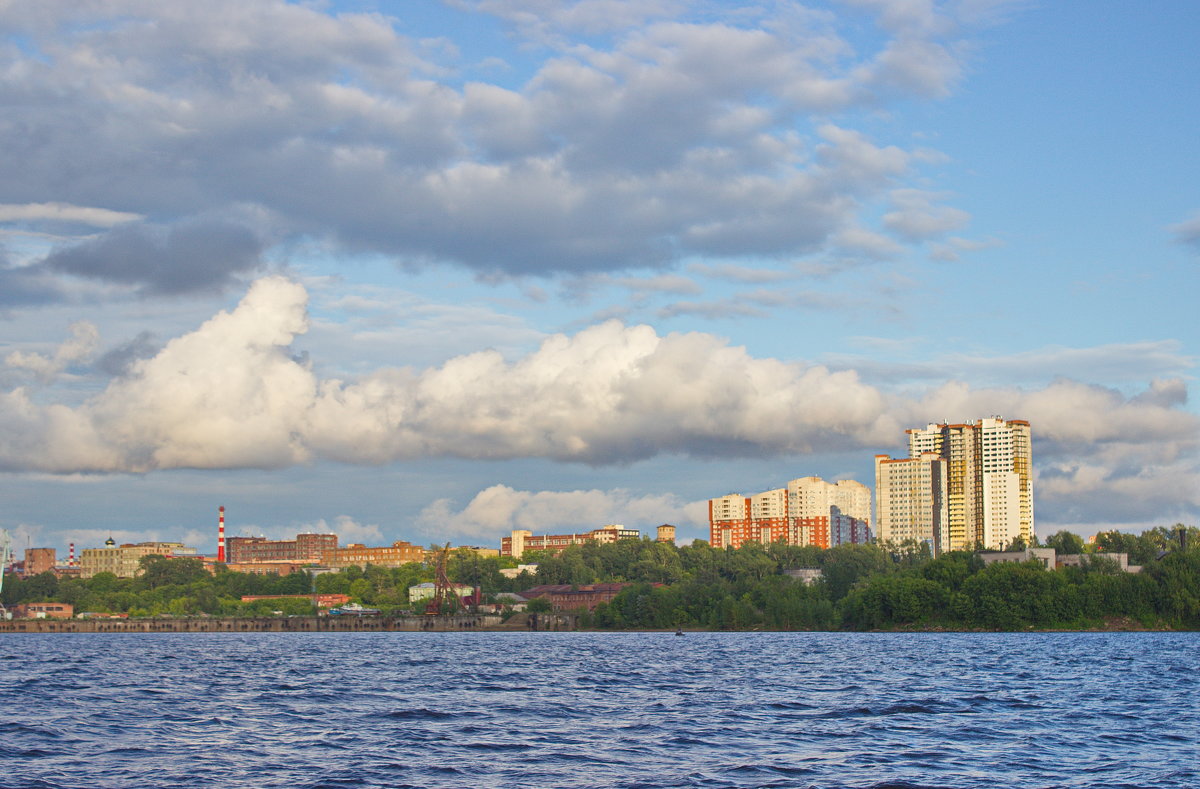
(599, 711)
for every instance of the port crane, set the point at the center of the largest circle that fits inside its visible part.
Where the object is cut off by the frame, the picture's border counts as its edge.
(443, 593)
(5, 558)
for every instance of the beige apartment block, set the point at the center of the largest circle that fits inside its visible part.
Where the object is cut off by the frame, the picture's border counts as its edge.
(809, 511)
(910, 500)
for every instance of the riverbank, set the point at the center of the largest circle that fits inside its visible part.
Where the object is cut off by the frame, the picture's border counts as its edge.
(297, 624)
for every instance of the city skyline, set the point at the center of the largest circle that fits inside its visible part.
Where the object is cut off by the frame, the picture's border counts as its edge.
(440, 271)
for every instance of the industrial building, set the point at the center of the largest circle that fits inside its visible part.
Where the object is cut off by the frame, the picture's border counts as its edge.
(305, 549)
(40, 560)
(521, 540)
(43, 611)
(426, 591)
(570, 597)
(398, 553)
(124, 561)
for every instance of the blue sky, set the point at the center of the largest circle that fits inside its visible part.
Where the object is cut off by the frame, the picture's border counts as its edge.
(434, 271)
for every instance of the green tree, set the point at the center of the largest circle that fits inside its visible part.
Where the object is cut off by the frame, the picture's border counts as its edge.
(43, 586)
(1065, 542)
(898, 599)
(539, 605)
(156, 571)
(845, 565)
(362, 590)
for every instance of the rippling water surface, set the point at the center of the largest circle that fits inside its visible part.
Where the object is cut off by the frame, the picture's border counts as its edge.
(600, 710)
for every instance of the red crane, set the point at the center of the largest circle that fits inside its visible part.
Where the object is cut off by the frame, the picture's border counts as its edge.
(444, 600)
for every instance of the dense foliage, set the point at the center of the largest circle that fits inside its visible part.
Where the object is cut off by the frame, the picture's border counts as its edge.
(754, 587)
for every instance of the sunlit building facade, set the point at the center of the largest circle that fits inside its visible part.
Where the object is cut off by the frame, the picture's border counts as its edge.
(809, 511)
(305, 549)
(989, 481)
(358, 555)
(125, 561)
(521, 540)
(910, 500)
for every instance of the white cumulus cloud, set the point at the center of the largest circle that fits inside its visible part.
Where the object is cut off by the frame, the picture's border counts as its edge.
(80, 347)
(233, 394)
(500, 509)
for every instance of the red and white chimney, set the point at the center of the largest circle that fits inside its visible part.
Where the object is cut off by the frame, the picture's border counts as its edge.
(221, 535)
(71, 556)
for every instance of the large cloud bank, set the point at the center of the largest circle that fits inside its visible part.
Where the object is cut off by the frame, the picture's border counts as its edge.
(500, 508)
(674, 130)
(233, 394)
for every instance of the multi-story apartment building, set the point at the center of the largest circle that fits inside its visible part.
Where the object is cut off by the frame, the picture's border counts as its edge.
(910, 500)
(769, 516)
(825, 513)
(522, 540)
(124, 561)
(809, 511)
(729, 521)
(305, 549)
(989, 482)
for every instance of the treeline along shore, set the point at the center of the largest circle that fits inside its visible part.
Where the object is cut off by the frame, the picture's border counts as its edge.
(755, 587)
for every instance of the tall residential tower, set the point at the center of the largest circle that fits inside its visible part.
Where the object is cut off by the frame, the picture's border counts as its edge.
(989, 484)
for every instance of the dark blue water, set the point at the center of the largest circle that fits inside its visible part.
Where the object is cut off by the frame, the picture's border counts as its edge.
(600, 710)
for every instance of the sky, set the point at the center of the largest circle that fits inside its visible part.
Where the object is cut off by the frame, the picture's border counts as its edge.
(433, 271)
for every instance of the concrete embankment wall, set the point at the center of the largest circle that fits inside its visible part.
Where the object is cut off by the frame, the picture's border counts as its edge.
(292, 624)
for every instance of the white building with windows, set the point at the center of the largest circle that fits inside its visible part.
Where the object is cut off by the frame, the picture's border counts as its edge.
(989, 482)
(910, 500)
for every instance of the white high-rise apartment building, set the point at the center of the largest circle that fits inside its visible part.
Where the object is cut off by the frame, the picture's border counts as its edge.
(989, 484)
(810, 497)
(910, 500)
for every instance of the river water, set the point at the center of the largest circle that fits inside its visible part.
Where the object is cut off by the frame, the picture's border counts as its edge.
(578, 710)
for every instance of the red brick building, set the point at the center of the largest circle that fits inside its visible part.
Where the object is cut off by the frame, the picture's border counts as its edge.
(43, 611)
(305, 549)
(40, 560)
(257, 568)
(570, 597)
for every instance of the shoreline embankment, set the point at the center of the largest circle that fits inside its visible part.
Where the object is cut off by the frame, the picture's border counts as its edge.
(297, 624)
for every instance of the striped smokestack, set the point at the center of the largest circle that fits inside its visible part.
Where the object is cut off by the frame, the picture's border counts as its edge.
(71, 556)
(221, 535)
